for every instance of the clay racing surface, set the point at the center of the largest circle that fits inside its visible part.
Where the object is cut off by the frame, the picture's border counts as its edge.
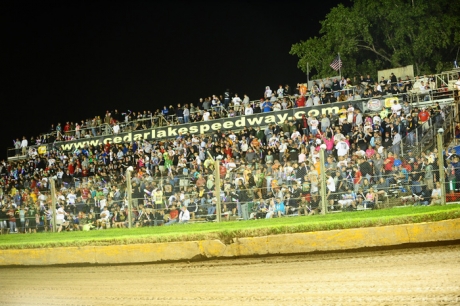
(415, 276)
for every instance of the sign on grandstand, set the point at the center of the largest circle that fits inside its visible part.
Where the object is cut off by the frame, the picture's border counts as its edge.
(205, 127)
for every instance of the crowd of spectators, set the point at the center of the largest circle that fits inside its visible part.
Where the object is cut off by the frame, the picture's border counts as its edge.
(328, 90)
(265, 172)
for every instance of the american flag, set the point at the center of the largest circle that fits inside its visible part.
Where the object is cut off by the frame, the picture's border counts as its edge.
(336, 63)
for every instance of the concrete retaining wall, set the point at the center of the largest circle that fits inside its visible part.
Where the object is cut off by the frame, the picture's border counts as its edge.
(268, 245)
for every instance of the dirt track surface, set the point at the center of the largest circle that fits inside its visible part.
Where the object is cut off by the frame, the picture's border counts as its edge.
(416, 276)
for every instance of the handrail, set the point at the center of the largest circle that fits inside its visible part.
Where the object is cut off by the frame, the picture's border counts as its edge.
(160, 120)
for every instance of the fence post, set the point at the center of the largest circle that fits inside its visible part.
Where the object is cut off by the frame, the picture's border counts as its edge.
(441, 167)
(323, 182)
(129, 194)
(53, 202)
(217, 190)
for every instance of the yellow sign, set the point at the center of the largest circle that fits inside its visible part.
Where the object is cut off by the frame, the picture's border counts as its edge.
(41, 150)
(389, 102)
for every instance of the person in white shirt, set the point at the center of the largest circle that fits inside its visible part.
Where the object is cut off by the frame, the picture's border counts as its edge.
(282, 148)
(330, 184)
(102, 222)
(268, 92)
(295, 134)
(314, 126)
(245, 100)
(436, 195)
(116, 128)
(244, 144)
(248, 110)
(71, 197)
(60, 218)
(396, 108)
(350, 113)
(232, 136)
(236, 100)
(277, 106)
(316, 99)
(206, 115)
(280, 91)
(184, 215)
(342, 148)
(24, 145)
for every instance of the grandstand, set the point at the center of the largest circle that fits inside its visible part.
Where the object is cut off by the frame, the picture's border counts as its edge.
(311, 151)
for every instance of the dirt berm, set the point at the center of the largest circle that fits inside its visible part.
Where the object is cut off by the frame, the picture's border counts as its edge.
(299, 243)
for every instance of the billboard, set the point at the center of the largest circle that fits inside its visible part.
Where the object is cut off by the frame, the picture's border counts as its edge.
(205, 127)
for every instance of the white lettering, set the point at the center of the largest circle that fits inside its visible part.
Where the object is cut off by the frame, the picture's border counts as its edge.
(216, 126)
(172, 132)
(128, 138)
(193, 129)
(204, 128)
(282, 118)
(240, 122)
(299, 114)
(313, 112)
(255, 121)
(270, 119)
(228, 125)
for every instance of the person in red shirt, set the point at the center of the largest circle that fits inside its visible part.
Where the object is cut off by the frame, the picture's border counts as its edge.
(358, 178)
(423, 116)
(173, 215)
(228, 151)
(301, 101)
(67, 128)
(11, 218)
(388, 163)
(107, 147)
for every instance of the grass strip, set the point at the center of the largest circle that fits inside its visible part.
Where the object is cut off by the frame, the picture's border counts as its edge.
(228, 231)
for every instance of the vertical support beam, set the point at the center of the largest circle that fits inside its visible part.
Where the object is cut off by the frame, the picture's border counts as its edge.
(129, 193)
(217, 190)
(441, 168)
(323, 183)
(53, 202)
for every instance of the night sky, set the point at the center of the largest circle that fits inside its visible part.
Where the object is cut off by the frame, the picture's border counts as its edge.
(68, 61)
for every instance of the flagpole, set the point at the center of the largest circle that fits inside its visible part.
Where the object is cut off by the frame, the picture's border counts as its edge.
(340, 67)
(308, 76)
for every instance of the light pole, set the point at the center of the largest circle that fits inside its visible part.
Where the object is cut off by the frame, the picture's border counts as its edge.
(441, 165)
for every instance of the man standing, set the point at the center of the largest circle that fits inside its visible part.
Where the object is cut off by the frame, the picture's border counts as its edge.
(396, 142)
(24, 145)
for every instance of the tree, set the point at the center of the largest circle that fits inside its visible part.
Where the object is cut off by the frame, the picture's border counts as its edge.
(384, 34)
